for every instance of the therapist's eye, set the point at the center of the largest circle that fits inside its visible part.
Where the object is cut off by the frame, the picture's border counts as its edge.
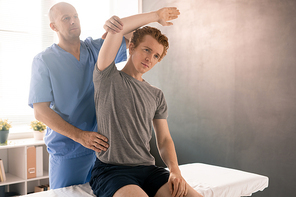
(66, 19)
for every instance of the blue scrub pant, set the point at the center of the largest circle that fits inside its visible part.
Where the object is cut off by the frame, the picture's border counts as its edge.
(71, 171)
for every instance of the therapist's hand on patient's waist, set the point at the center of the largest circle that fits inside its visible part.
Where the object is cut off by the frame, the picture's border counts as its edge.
(93, 140)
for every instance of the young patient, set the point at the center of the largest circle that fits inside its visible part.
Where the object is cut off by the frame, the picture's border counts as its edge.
(126, 107)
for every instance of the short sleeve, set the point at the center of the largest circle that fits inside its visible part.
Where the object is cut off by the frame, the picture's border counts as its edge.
(40, 86)
(162, 109)
(107, 72)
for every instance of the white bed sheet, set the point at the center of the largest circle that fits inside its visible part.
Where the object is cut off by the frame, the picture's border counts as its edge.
(215, 181)
(209, 180)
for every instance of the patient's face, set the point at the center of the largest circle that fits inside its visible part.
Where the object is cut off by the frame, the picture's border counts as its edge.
(146, 54)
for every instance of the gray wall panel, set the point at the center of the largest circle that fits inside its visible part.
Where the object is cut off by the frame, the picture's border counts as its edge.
(229, 80)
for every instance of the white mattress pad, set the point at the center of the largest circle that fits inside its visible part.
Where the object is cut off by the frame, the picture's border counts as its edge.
(209, 180)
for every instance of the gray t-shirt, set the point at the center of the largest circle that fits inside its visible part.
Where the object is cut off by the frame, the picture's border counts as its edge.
(125, 108)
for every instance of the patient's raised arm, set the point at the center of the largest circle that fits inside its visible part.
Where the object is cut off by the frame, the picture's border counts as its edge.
(112, 42)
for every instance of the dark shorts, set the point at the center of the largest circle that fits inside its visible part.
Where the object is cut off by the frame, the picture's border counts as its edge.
(106, 179)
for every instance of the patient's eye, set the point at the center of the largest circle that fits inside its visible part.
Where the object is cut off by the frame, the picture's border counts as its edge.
(157, 56)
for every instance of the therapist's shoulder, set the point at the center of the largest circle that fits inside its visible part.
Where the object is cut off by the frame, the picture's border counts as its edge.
(49, 51)
(48, 56)
(90, 42)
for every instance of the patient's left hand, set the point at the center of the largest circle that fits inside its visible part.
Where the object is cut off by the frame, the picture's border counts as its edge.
(166, 14)
(177, 185)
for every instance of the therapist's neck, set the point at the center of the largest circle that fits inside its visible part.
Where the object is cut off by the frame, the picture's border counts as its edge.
(71, 46)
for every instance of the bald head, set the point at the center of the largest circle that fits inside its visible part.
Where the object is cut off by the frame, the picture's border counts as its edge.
(65, 22)
(57, 9)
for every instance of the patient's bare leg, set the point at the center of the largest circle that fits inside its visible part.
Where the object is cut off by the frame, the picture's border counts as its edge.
(130, 191)
(164, 191)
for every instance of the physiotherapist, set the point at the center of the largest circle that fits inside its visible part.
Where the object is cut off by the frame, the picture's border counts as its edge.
(62, 95)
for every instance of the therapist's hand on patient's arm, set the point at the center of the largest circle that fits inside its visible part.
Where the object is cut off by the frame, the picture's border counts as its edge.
(112, 25)
(93, 140)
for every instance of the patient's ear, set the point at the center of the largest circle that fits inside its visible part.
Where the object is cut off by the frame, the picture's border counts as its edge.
(131, 48)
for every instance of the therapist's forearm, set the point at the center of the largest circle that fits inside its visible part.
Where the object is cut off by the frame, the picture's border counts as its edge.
(49, 117)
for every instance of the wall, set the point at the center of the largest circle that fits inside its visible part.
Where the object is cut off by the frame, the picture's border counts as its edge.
(230, 82)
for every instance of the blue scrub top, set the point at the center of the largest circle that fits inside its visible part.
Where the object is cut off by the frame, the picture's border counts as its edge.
(58, 77)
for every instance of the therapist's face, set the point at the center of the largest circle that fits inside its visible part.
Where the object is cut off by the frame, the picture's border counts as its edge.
(66, 22)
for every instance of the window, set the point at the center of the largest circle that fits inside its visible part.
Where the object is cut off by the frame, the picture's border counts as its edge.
(25, 31)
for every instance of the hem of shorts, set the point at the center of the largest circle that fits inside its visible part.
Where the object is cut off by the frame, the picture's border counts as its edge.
(154, 193)
(112, 194)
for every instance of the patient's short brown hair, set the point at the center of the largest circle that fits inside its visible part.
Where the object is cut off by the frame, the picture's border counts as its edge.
(139, 34)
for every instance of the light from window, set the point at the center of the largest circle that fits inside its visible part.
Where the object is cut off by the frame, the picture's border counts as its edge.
(25, 31)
